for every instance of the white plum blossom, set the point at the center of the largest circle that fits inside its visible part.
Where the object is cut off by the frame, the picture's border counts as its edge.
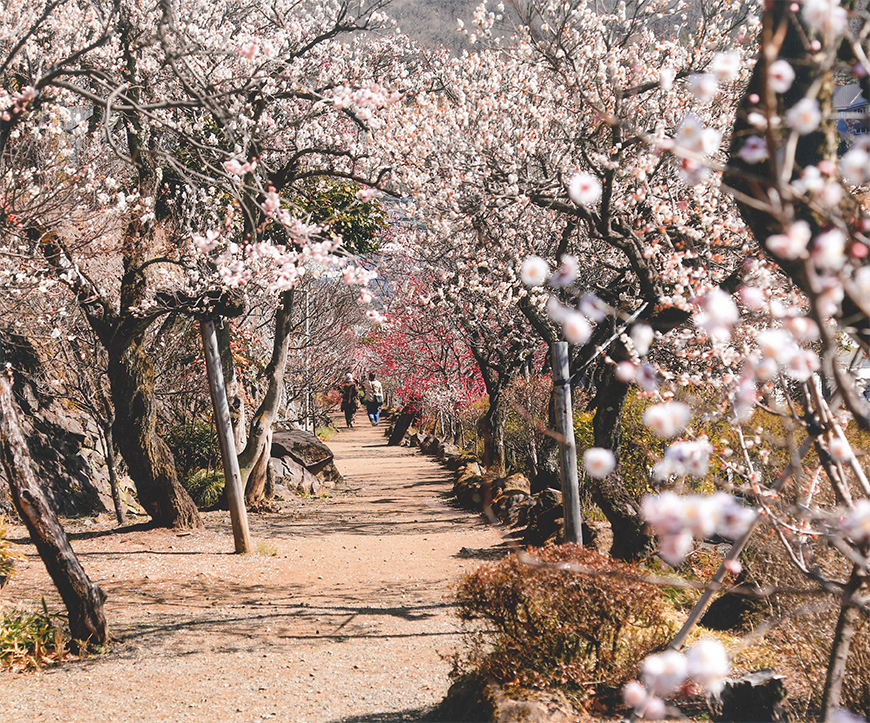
(734, 519)
(207, 243)
(664, 672)
(626, 372)
(829, 249)
(802, 328)
(719, 314)
(804, 116)
(726, 66)
(642, 336)
(828, 17)
(666, 78)
(856, 522)
(684, 459)
(841, 715)
(667, 419)
(793, 243)
(366, 194)
(707, 664)
(593, 307)
(840, 450)
(598, 462)
(566, 273)
(752, 297)
(584, 189)
(694, 136)
(556, 310)
(534, 271)
(272, 202)
(576, 328)
(703, 86)
(753, 150)
(634, 694)
(855, 166)
(780, 76)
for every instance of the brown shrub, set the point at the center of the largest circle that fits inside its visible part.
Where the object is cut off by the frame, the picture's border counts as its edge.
(581, 632)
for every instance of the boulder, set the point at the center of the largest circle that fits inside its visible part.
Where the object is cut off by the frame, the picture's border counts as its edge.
(470, 491)
(512, 508)
(57, 442)
(429, 445)
(472, 469)
(472, 700)
(306, 450)
(756, 697)
(288, 472)
(515, 481)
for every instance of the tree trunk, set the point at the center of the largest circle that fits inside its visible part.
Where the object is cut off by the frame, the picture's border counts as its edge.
(83, 598)
(235, 398)
(493, 431)
(620, 507)
(845, 631)
(148, 459)
(120, 508)
(254, 459)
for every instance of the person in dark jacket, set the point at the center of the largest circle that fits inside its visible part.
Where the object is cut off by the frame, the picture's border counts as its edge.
(349, 399)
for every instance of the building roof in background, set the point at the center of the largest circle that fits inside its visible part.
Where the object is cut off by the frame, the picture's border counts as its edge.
(848, 97)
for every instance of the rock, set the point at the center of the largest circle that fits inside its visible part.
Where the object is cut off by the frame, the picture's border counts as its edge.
(288, 472)
(512, 508)
(470, 492)
(416, 439)
(471, 700)
(738, 613)
(429, 444)
(447, 450)
(55, 440)
(515, 481)
(545, 519)
(307, 450)
(472, 469)
(754, 698)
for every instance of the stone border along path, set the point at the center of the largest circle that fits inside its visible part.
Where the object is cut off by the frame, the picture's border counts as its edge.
(344, 614)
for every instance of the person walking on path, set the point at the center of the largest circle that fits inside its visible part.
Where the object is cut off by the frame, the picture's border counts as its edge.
(349, 399)
(374, 399)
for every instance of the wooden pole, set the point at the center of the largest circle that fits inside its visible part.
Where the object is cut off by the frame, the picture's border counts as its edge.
(567, 447)
(224, 424)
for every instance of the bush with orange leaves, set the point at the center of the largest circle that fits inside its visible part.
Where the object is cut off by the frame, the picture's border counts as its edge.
(580, 629)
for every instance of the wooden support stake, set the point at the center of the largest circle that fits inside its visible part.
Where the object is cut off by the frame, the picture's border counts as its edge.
(567, 447)
(224, 424)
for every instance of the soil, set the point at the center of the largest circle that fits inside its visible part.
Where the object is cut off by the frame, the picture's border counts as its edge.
(344, 614)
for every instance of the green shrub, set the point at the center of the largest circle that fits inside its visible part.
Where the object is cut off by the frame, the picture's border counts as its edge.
(195, 446)
(550, 627)
(30, 640)
(204, 486)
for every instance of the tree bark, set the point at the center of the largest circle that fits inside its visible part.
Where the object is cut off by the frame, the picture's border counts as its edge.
(83, 598)
(620, 507)
(845, 631)
(114, 485)
(149, 460)
(493, 431)
(254, 459)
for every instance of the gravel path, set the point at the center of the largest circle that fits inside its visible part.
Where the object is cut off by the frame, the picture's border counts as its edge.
(343, 615)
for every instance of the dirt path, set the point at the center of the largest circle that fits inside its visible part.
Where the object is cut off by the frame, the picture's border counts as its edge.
(344, 615)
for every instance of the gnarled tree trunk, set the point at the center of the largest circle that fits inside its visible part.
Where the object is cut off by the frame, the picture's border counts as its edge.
(620, 507)
(83, 598)
(150, 463)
